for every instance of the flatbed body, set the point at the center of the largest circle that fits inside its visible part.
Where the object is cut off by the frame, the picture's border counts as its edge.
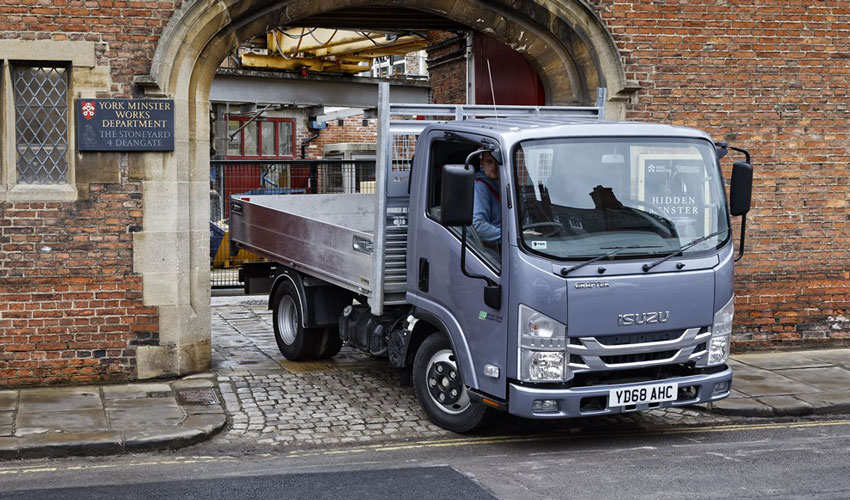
(328, 236)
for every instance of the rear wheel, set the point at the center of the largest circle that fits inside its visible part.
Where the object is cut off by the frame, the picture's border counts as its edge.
(295, 342)
(440, 389)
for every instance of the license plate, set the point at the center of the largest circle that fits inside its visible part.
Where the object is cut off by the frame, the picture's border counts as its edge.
(641, 394)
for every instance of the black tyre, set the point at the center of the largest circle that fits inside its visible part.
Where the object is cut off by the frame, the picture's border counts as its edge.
(295, 342)
(330, 343)
(440, 390)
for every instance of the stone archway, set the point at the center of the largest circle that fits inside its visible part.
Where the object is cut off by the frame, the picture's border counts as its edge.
(564, 40)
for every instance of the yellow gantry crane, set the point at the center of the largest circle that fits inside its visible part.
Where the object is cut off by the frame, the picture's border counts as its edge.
(330, 51)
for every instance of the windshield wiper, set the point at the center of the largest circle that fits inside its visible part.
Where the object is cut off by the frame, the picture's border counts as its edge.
(647, 267)
(565, 271)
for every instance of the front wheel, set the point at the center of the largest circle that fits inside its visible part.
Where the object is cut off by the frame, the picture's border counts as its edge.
(440, 389)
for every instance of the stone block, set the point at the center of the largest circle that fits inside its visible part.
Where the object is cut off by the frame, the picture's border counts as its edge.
(57, 399)
(132, 391)
(149, 167)
(192, 383)
(826, 379)
(71, 443)
(9, 448)
(156, 252)
(758, 383)
(195, 356)
(156, 361)
(161, 206)
(787, 405)
(828, 401)
(153, 438)
(7, 423)
(778, 360)
(75, 420)
(160, 289)
(838, 357)
(208, 423)
(96, 167)
(144, 416)
(8, 400)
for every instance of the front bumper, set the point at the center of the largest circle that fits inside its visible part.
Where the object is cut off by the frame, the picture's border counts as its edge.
(577, 402)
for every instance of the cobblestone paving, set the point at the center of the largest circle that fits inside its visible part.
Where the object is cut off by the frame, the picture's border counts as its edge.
(350, 398)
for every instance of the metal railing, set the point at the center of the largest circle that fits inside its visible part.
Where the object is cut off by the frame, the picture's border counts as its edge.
(283, 177)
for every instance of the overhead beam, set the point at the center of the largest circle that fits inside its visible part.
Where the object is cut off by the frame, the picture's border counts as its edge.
(289, 89)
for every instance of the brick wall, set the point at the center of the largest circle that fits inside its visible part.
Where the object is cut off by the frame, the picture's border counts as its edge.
(447, 67)
(70, 306)
(352, 130)
(771, 78)
(126, 31)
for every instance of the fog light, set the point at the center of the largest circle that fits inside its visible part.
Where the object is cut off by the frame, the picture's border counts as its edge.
(721, 387)
(544, 406)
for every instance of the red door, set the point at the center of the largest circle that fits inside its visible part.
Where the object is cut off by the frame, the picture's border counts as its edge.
(515, 82)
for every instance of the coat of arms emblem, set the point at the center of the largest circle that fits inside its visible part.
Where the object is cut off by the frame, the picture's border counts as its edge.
(88, 109)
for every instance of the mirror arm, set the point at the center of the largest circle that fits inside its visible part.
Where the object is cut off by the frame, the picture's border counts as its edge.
(490, 283)
(743, 235)
(472, 155)
(740, 150)
(466, 273)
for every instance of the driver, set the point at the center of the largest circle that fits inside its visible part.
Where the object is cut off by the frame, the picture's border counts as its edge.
(487, 210)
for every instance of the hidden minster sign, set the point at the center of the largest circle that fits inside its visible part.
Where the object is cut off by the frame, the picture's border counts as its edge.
(125, 124)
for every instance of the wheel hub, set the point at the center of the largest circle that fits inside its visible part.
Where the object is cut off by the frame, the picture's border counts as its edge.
(444, 383)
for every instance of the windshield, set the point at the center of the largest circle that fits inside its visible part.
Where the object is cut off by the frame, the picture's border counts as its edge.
(582, 198)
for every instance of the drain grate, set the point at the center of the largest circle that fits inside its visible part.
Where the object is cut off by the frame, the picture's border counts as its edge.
(197, 397)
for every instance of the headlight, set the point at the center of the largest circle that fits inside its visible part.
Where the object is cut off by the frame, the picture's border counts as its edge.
(542, 344)
(543, 366)
(721, 329)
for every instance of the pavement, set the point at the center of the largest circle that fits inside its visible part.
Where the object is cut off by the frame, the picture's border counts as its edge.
(788, 383)
(254, 397)
(108, 419)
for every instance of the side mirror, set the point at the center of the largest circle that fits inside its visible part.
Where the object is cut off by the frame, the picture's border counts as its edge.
(457, 195)
(741, 190)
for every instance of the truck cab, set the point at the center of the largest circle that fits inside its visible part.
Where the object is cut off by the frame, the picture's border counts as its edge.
(610, 289)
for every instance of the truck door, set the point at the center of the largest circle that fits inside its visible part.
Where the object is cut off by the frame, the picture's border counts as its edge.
(478, 332)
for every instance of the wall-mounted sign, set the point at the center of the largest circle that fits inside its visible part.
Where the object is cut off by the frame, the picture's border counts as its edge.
(125, 125)
(675, 185)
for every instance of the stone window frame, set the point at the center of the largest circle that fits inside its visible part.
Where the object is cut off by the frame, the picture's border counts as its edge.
(72, 55)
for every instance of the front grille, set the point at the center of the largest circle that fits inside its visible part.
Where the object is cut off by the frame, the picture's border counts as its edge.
(639, 338)
(621, 352)
(637, 358)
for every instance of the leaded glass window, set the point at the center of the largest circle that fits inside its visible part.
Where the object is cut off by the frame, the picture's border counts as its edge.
(41, 124)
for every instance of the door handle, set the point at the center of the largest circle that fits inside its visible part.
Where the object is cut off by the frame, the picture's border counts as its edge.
(424, 269)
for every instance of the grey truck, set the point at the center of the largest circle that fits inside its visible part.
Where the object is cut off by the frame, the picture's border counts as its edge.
(610, 289)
